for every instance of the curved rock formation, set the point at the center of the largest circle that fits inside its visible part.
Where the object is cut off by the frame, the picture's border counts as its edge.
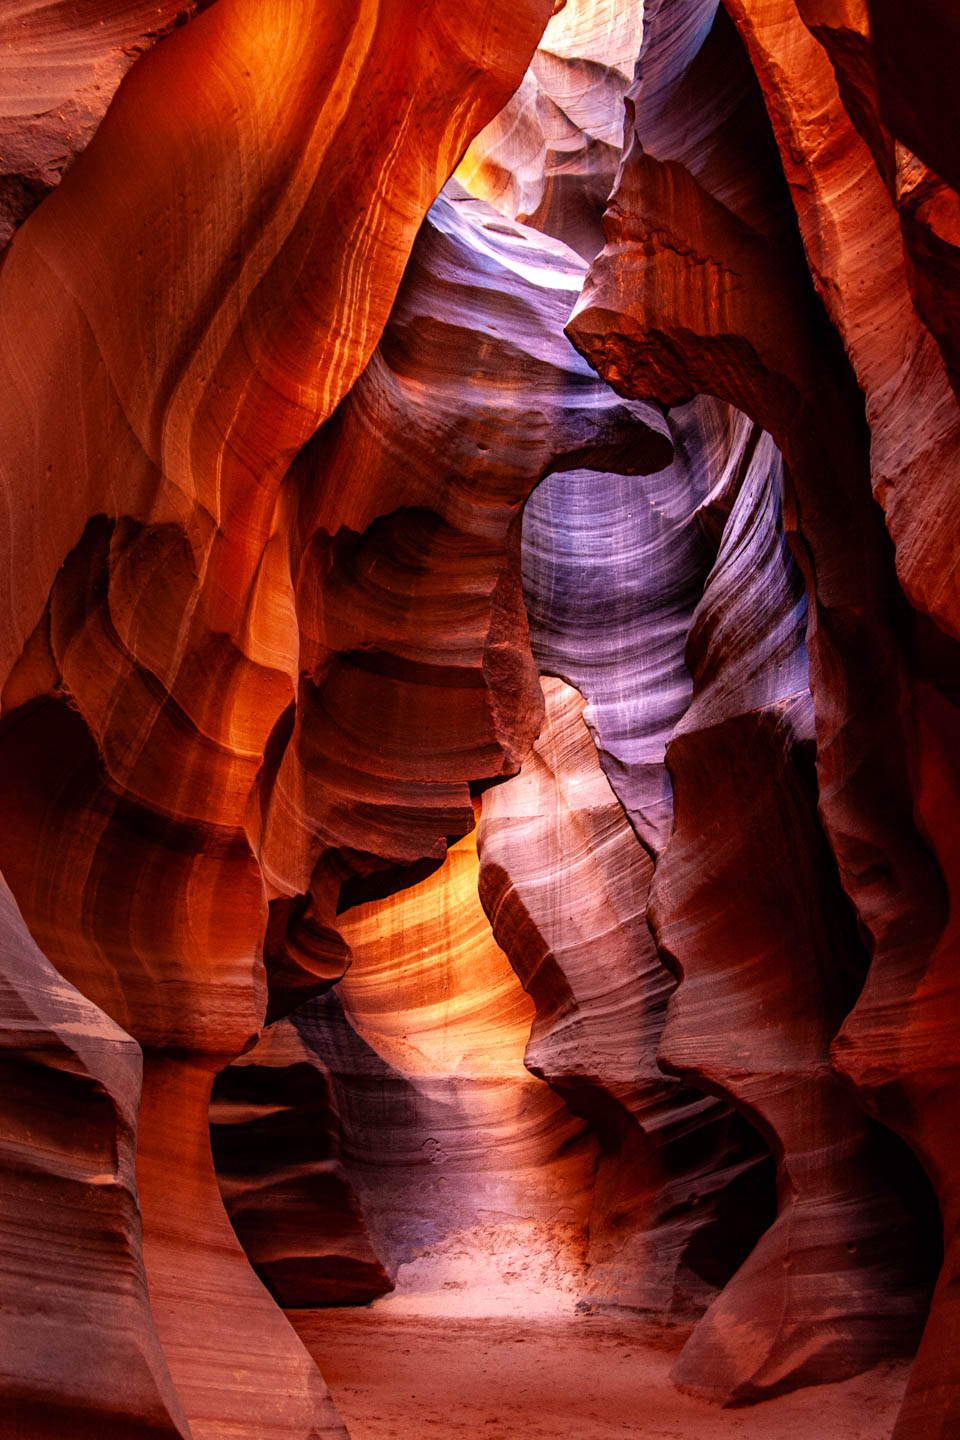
(266, 436)
(416, 674)
(276, 1138)
(550, 157)
(415, 669)
(80, 1348)
(178, 317)
(613, 571)
(666, 314)
(565, 883)
(768, 970)
(927, 208)
(851, 234)
(474, 1178)
(900, 1047)
(61, 66)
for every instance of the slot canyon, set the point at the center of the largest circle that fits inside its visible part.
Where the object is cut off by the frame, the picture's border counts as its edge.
(479, 720)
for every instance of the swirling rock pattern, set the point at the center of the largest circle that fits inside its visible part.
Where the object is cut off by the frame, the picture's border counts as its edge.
(914, 477)
(928, 209)
(416, 673)
(276, 1138)
(262, 641)
(80, 1348)
(415, 664)
(588, 540)
(612, 572)
(60, 68)
(830, 1287)
(663, 314)
(474, 1177)
(179, 315)
(565, 883)
(549, 158)
(849, 225)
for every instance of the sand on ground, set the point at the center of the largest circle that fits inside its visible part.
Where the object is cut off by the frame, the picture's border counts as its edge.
(406, 1376)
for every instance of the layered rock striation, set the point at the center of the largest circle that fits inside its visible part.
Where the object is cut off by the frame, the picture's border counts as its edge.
(565, 883)
(303, 486)
(416, 676)
(473, 1176)
(277, 1140)
(179, 315)
(81, 1351)
(550, 157)
(417, 672)
(768, 971)
(61, 67)
(704, 286)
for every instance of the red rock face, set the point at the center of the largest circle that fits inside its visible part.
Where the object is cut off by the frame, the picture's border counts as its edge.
(62, 65)
(179, 315)
(417, 678)
(473, 1176)
(416, 674)
(277, 1144)
(550, 157)
(318, 535)
(84, 1352)
(664, 313)
(781, 966)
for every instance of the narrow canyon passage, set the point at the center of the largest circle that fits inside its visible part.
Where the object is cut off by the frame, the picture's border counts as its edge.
(473, 1175)
(479, 720)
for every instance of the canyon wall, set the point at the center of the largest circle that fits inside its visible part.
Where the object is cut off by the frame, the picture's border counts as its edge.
(775, 261)
(606, 491)
(179, 315)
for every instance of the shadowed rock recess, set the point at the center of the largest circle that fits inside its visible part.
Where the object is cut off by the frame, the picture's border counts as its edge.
(479, 695)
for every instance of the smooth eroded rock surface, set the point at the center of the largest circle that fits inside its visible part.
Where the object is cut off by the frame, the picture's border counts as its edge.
(680, 1186)
(178, 317)
(613, 496)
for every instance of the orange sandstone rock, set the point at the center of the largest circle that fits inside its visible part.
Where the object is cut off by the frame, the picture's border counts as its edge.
(79, 1346)
(702, 286)
(178, 316)
(473, 1176)
(61, 66)
(277, 1145)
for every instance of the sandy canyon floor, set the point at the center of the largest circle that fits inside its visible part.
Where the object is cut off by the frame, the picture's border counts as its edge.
(414, 1377)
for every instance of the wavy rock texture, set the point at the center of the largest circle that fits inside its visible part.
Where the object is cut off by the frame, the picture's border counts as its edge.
(664, 314)
(416, 674)
(898, 325)
(565, 882)
(474, 1177)
(80, 1349)
(849, 225)
(550, 157)
(928, 209)
(276, 1138)
(416, 669)
(178, 317)
(264, 450)
(612, 573)
(60, 67)
(768, 972)
(613, 570)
